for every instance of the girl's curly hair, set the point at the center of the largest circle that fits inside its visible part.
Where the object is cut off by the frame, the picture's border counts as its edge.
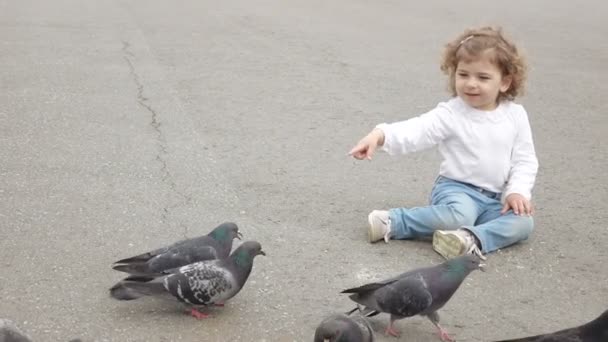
(472, 43)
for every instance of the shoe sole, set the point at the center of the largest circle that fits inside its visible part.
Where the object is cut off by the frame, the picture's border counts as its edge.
(370, 230)
(447, 245)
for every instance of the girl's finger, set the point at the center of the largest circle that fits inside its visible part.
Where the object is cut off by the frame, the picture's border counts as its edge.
(522, 208)
(356, 150)
(532, 209)
(517, 207)
(505, 208)
(370, 151)
(527, 208)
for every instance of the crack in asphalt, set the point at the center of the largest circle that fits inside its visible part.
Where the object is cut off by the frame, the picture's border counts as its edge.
(167, 177)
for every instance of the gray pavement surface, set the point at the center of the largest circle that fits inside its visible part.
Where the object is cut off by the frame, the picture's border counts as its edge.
(126, 125)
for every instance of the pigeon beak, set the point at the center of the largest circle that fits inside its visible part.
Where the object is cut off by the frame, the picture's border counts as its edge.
(262, 252)
(482, 267)
(239, 235)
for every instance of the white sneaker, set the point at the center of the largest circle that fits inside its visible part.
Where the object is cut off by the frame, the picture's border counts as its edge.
(379, 226)
(452, 243)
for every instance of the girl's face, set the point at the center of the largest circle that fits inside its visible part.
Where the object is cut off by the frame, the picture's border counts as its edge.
(479, 81)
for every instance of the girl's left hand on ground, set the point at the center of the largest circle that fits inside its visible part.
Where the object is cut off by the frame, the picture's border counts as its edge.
(519, 204)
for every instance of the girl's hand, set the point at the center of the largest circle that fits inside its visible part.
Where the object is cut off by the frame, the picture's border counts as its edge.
(519, 204)
(366, 147)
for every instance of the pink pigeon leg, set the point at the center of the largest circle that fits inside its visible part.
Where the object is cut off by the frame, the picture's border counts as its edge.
(443, 334)
(390, 330)
(197, 314)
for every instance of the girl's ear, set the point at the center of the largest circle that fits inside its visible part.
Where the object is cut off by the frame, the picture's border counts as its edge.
(505, 84)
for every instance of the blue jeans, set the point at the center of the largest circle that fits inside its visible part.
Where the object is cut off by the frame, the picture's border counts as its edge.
(460, 205)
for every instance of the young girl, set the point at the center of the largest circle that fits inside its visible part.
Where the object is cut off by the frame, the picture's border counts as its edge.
(481, 199)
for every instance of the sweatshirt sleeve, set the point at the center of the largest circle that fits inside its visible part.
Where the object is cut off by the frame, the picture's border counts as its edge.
(524, 164)
(417, 133)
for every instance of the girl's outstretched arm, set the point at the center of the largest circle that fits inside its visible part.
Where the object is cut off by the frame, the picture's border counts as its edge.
(366, 147)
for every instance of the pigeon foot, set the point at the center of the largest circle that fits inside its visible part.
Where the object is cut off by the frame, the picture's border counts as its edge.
(390, 330)
(443, 335)
(198, 315)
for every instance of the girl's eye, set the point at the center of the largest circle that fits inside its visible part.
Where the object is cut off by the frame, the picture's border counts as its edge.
(484, 77)
(462, 75)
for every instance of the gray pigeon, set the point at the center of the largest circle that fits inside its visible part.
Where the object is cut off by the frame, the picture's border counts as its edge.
(199, 284)
(594, 331)
(10, 333)
(421, 291)
(215, 245)
(341, 328)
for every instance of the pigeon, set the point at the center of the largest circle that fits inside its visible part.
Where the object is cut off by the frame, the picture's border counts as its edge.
(202, 283)
(342, 328)
(420, 291)
(10, 333)
(594, 331)
(215, 245)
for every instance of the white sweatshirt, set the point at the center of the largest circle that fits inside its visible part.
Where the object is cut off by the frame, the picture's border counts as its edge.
(489, 149)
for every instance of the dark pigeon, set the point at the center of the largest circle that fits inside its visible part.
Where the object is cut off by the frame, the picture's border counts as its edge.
(342, 328)
(594, 331)
(215, 245)
(199, 284)
(10, 333)
(421, 291)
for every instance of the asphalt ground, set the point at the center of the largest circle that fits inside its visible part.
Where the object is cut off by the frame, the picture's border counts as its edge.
(127, 125)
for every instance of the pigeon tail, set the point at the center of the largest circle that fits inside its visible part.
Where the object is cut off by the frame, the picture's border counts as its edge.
(138, 258)
(362, 290)
(130, 290)
(141, 279)
(132, 267)
(348, 313)
(365, 311)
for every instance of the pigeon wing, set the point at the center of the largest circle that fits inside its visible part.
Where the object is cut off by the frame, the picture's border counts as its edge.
(405, 297)
(202, 283)
(177, 257)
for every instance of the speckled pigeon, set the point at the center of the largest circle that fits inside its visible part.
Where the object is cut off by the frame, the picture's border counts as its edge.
(421, 291)
(199, 284)
(216, 245)
(594, 331)
(342, 328)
